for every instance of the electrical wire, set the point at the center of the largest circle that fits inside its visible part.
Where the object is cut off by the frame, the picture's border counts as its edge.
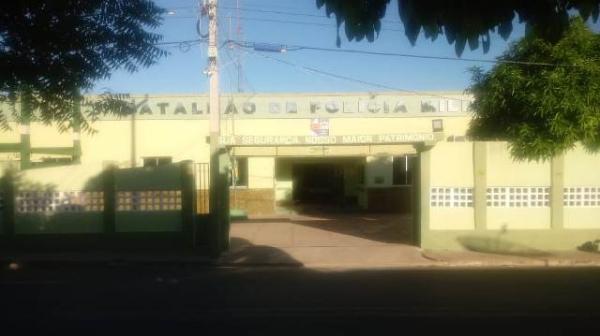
(290, 47)
(291, 13)
(351, 79)
(306, 23)
(181, 42)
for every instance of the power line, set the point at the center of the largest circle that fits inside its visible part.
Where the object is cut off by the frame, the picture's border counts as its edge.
(291, 47)
(180, 42)
(351, 79)
(307, 23)
(292, 13)
(274, 12)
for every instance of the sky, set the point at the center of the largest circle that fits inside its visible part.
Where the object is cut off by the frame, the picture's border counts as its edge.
(182, 70)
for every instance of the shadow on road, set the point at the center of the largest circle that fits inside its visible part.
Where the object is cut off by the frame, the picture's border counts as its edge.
(243, 252)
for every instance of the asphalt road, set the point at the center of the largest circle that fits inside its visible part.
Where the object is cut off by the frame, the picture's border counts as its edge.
(163, 298)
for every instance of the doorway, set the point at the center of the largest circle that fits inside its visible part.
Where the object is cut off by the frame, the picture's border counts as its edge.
(315, 182)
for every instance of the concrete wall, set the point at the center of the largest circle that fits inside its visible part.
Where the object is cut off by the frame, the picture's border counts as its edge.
(261, 172)
(504, 171)
(512, 206)
(450, 169)
(71, 199)
(581, 175)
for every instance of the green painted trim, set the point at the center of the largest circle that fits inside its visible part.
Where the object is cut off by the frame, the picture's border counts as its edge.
(77, 130)
(188, 202)
(7, 186)
(148, 221)
(515, 240)
(557, 182)
(213, 230)
(37, 165)
(26, 112)
(76, 151)
(415, 207)
(25, 154)
(10, 147)
(223, 193)
(58, 223)
(110, 201)
(480, 184)
(53, 150)
(424, 190)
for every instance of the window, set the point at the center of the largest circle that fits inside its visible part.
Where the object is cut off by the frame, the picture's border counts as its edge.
(402, 169)
(239, 172)
(155, 161)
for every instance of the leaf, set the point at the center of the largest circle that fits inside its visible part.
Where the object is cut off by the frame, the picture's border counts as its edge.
(505, 29)
(459, 45)
(377, 26)
(485, 42)
(473, 42)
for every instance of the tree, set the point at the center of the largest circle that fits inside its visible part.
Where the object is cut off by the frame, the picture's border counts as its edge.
(461, 21)
(541, 110)
(52, 51)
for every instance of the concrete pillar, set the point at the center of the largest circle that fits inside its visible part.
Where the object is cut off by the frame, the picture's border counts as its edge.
(218, 227)
(7, 185)
(77, 133)
(26, 112)
(480, 184)
(557, 181)
(188, 203)
(110, 200)
(223, 178)
(421, 194)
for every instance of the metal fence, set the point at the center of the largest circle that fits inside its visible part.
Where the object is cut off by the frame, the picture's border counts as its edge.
(202, 181)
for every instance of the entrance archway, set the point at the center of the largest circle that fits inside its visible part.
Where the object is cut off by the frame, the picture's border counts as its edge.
(316, 178)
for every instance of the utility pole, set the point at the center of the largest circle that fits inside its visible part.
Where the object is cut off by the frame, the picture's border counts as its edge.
(215, 206)
(213, 73)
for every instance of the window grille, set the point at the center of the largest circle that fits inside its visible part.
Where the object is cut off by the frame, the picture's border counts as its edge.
(451, 197)
(516, 197)
(585, 196)
(149, 200)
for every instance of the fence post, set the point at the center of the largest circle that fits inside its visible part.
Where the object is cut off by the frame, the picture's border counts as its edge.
(223, 195)
(480, 184)
(188, 203)
(77, 132)
(7, 183)
(110, 204)
(25, 148)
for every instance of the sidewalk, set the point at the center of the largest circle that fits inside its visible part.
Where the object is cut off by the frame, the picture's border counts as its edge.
(360, 257)
(478, 259)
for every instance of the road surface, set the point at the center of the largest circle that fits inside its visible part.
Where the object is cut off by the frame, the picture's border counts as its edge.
(292, 300)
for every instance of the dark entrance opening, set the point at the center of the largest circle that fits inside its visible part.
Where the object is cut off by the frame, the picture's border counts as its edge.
(321, 183)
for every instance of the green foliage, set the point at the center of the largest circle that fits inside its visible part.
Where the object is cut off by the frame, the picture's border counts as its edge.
(52, 51)
(461, 21)
(542, 110)
(362, 19)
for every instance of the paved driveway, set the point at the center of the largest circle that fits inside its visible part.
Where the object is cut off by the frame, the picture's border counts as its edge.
(329, 239)
(325, 230)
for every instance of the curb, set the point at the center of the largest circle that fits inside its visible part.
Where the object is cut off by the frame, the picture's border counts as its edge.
(505, 261)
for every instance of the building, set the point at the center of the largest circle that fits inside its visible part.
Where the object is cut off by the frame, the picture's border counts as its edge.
(390, 152)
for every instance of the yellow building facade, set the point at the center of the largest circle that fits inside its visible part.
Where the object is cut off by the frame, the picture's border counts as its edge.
(381, 152)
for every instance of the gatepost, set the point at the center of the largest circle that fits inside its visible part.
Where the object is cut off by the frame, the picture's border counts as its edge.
(110, 200)
(7, 185)
(188, 203)
(223, 187)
